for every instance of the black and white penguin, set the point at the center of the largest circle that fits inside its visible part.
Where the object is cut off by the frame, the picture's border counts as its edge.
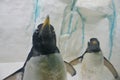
(44, 61)
(93, 61)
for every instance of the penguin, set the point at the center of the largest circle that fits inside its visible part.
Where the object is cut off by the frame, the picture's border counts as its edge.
(93, 61)
(44, 61)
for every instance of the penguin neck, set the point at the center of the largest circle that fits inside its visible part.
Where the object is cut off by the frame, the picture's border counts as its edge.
(93, 49)
(46, 50)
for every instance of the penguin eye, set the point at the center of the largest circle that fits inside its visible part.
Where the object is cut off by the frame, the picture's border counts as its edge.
(37, 31)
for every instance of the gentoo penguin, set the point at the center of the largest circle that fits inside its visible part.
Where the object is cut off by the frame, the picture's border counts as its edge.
(93, 61)
(44, 61)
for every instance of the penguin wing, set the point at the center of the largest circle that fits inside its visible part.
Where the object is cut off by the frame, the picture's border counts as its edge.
(70, 68)
(76, 61)
(16, 75)
(111, 68)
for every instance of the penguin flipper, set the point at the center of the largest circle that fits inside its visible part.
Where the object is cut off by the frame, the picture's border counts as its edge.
(16, 75)
(111, 68)
(70, 68)
(76, 61)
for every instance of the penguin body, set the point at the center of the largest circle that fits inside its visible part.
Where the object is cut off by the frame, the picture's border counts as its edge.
(44, 61)
(93, 61)
(92, 66)
(45, 67)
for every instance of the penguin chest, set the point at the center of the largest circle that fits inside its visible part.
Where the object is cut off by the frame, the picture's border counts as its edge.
(92, 66)
(45, 67)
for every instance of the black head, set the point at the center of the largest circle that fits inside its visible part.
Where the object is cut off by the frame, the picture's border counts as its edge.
(93, 45)
(44, 37)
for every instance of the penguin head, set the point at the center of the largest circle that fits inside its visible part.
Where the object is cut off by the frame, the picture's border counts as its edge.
(93, 45)
(44, 36)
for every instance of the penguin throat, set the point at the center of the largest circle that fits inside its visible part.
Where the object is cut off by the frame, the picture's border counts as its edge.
(93, 49)
(46, 50)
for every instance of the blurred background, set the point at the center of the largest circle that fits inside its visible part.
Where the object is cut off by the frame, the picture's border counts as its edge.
(75, 22)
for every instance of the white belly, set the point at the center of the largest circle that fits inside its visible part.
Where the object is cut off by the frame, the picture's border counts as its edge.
(44, 67)
(92, 66)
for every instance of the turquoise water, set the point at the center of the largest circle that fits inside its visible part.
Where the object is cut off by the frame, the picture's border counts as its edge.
(37, 10)
(112, 25)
